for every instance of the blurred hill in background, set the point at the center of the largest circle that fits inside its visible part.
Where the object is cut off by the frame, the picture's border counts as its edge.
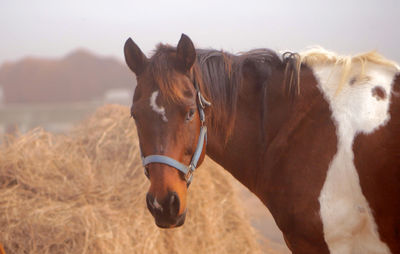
(79, 76)
(55, 94)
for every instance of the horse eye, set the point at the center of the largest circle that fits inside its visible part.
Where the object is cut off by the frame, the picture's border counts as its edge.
(190, 115)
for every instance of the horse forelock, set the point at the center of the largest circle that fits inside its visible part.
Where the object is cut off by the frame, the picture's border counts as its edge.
(162, 70)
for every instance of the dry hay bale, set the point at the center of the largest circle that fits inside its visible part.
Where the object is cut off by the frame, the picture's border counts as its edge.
(85, 193)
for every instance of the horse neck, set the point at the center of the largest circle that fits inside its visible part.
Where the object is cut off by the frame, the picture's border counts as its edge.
(259, 125)
(241, 153)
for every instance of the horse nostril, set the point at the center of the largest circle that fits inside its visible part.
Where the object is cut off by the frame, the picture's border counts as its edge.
(174, 204)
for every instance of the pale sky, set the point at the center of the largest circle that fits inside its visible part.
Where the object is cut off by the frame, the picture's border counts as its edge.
(53, 28)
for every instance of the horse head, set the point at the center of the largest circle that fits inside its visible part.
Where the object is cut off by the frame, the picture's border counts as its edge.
(168, 111)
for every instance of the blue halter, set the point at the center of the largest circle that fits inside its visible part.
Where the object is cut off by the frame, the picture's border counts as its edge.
(202, 141)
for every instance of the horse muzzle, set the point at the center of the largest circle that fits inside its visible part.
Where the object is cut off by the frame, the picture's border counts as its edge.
(166, 212)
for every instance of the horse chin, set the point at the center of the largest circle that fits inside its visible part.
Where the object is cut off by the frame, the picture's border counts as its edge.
(171, 223)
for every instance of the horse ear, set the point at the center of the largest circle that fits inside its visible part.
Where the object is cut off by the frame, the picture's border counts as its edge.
(186, 53)
(134, 57)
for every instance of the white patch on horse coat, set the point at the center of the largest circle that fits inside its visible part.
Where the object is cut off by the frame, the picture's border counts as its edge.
(156, 108)
(348, 223)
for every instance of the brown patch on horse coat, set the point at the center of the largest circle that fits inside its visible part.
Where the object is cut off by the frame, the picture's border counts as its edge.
(292, 163)
(289, 162)
(379, 93)
(380, 179)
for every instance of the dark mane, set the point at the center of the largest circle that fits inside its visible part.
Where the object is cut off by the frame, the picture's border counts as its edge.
(220, 76)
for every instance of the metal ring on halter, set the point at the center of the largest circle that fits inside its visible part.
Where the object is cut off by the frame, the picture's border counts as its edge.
(189, 174)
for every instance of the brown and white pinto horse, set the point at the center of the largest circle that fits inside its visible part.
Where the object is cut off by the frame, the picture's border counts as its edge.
(315, 136)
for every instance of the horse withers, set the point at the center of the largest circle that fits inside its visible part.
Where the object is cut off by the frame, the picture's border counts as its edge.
(314, 135)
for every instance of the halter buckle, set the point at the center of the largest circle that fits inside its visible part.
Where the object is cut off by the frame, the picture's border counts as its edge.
(200, 100)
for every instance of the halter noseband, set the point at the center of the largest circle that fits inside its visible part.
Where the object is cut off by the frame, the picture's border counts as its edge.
(186, 170)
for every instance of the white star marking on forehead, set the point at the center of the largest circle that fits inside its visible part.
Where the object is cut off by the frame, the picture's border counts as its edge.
(156, 108)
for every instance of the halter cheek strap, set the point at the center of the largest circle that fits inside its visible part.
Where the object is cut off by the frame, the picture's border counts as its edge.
(202, 141)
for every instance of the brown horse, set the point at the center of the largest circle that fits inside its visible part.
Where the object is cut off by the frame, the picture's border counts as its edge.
(315, 136)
